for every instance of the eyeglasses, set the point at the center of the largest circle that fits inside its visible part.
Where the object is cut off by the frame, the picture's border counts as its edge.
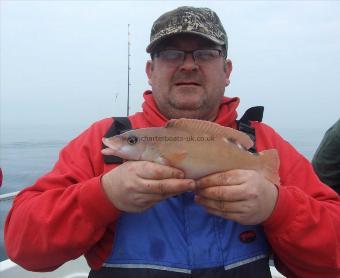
(200, 56)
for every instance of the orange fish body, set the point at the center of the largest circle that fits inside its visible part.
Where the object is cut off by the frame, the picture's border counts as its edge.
(197, 147)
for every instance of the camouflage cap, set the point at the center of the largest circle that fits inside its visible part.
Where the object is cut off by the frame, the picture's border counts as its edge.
(188, 20)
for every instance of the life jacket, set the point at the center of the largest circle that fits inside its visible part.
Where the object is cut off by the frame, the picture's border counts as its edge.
(178, 238)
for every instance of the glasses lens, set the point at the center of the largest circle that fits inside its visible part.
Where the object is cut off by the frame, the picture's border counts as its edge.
(171, 55)
(206, 55)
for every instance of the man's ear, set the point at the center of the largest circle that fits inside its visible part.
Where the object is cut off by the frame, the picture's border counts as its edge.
(228, 68)
(148, 69)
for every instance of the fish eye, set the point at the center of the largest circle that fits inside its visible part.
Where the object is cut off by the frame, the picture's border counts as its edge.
(132, 140)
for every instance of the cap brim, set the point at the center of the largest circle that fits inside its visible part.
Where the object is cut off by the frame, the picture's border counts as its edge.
(153, 44)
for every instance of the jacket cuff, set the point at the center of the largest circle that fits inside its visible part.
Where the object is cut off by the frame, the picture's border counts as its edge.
(97, 207)
(282, 214)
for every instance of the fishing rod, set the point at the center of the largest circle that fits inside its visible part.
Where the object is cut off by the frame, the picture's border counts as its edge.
(128, 89)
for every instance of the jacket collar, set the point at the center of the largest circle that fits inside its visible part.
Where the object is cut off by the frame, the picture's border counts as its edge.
(226, 116)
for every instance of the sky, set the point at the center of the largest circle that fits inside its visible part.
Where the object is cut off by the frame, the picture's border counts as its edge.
(65, 62)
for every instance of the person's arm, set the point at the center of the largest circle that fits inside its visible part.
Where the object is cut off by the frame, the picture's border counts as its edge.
(303, 228)
(326, 161)
(66, 212)
(72, 210)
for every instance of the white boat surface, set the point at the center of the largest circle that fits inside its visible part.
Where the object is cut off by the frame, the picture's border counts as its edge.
(72, 269)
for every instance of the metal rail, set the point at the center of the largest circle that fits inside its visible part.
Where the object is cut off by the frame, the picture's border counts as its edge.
(8, 196)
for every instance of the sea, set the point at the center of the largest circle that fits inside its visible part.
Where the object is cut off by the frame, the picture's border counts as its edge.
(27, 152)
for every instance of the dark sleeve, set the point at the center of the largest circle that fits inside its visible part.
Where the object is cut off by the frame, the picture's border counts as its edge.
(326, 161)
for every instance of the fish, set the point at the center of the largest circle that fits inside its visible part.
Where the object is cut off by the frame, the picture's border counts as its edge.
(197, 147)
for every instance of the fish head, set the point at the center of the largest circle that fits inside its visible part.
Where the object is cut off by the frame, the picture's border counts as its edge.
(127, 146)
(138, 144)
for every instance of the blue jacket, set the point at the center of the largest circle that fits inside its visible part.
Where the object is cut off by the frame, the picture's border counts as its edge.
(162, 239)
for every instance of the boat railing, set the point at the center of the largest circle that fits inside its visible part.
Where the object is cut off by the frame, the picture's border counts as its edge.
(8, 196)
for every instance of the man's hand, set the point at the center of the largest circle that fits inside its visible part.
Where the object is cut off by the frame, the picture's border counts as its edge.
(244, 196)
(136, 186)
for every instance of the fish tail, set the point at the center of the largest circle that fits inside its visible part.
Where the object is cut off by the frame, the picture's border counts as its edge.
(270, 164)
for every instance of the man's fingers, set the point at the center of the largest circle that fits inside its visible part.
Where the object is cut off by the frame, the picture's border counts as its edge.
(222, 206)
(232, 177)
(166, 186)
(154, 171)
(144, 201)
(229, 193)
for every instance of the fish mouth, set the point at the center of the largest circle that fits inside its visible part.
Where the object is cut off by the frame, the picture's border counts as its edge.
(108, 143)
(112, 147)
(115, 147)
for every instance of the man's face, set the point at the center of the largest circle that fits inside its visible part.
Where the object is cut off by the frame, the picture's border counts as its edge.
(188, 89)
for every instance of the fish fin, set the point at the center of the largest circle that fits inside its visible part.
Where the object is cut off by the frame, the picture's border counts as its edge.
(270, 164)
(201, 127)
(174, 158)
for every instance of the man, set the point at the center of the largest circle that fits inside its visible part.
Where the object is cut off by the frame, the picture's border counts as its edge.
(141, 219)
(326, 161)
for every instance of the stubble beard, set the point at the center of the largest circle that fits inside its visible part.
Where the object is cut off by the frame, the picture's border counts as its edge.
(179, 106)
